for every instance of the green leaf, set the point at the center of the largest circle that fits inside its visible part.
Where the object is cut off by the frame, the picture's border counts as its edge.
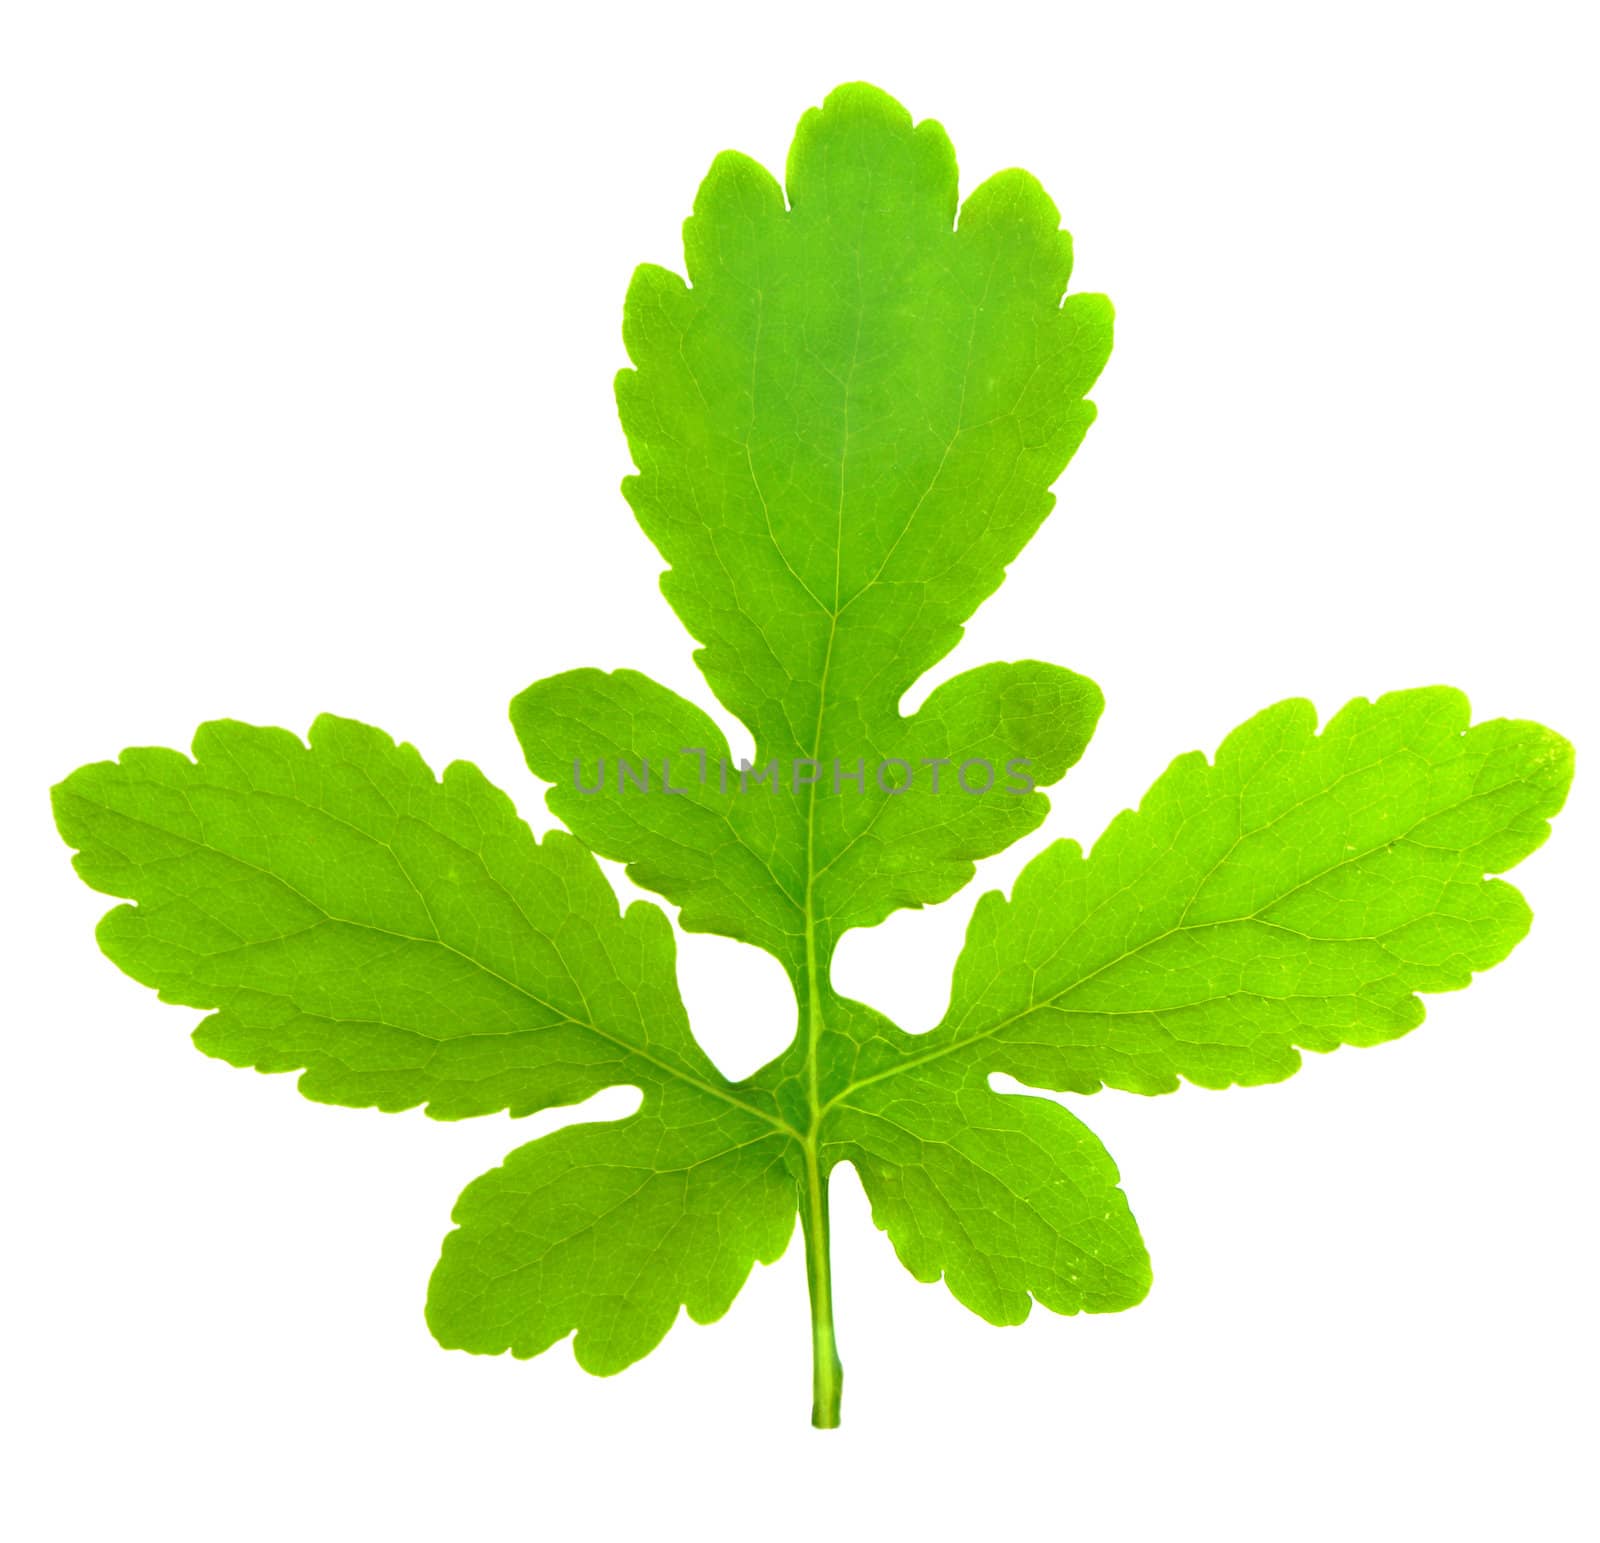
(1293, 895)
(403, 939)
(1008, 1198)
(757, 853)
(606, 1229)
(845, 428)
(406, 940)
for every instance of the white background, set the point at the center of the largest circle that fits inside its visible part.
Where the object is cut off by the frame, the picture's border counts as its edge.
(310, 319)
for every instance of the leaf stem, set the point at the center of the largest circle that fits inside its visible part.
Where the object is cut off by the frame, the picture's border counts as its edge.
(827, 1376)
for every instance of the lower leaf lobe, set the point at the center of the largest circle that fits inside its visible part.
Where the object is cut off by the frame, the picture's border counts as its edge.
(607, 1229)
(1009, 1198)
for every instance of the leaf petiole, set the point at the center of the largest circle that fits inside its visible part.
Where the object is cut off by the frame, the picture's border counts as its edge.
(827, 1376)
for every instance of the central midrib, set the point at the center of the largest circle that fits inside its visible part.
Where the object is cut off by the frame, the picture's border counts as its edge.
(817, 968)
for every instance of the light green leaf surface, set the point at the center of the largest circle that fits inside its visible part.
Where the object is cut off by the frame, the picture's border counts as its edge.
(1009, 1198)
(759, 854)
(606, 1229)
(1293, 895)
(404, 939)
(846, 425)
